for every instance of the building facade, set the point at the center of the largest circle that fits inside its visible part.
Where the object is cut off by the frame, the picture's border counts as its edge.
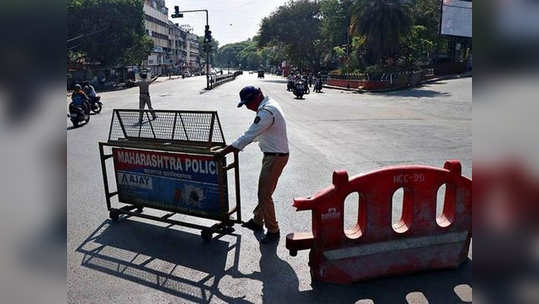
(157, 27)
(178, 41)
(193, 53)
(175, 49)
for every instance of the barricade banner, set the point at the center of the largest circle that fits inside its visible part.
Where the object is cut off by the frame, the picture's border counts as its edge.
(186, 183)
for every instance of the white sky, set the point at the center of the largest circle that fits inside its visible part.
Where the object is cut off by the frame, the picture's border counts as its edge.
(230, 20)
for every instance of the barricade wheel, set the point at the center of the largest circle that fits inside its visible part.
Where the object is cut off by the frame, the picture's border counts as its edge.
(206, 235)
(139, 209)
(114, 216)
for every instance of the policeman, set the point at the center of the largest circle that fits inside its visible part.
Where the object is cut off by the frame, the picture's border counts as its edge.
(269, 129)
(144, 96)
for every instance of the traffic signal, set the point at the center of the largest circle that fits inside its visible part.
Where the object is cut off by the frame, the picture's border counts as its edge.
(177, 12)
(207, 34)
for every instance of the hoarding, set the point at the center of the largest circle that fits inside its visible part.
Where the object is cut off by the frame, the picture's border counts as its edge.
(184, 183)
(456, 18)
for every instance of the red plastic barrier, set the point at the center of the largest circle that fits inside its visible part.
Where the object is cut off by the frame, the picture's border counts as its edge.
(375, 247)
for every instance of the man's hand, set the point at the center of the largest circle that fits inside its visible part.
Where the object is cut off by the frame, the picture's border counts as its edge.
(227, 150)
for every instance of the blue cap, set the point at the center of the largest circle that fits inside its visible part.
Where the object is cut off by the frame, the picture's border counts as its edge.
(248, 94)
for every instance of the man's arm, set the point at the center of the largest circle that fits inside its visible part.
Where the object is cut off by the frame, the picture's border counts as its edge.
(154, 79)
(262, 121)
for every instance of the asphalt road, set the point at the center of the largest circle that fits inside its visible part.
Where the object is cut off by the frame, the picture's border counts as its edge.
(140, 261)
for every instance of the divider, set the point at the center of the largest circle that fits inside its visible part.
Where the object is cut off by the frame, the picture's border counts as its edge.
(419, 241)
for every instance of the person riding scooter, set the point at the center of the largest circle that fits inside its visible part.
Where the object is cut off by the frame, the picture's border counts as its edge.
(80, 99)
(95, 104)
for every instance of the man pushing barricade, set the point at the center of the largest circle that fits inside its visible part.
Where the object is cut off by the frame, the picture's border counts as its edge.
(269, 128)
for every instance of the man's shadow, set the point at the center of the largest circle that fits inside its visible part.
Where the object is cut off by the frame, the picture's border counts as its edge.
(280, 283)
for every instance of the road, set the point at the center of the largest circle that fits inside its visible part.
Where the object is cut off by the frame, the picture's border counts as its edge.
(140, 261)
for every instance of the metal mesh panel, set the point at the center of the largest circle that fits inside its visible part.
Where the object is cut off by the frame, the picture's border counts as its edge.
(185, 126)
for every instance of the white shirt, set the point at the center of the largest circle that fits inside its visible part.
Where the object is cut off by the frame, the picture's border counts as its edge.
(269, 128)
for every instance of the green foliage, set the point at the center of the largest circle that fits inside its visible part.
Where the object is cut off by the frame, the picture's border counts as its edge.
(214, 49)
(382, 23)
(248, 55)
(112, 31)
(416, 46)
(295, 27)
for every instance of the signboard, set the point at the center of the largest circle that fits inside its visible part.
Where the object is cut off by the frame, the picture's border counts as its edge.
(456, 18)
(183, 183)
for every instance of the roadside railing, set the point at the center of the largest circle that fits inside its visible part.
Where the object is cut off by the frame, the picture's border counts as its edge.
(217, 80)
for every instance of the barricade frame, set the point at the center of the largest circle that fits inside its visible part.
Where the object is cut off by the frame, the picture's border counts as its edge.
(209, 148)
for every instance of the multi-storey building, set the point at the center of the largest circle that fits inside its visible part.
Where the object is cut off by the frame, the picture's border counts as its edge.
(157, 27)
(178, 38)
(175, 49)
(193, 52)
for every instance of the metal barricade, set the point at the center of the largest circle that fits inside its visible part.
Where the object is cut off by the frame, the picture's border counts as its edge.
(170, 163)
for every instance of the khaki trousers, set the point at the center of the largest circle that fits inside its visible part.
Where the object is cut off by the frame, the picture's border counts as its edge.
(272, 167)
(143, 101)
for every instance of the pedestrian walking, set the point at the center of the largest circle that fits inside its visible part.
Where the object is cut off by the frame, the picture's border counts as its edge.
(144, 95)
(269, 128)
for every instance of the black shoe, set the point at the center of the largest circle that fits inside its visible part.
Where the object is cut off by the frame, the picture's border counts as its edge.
(270, 237)
(251, 224)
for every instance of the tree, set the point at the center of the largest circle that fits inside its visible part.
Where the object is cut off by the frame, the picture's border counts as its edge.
(110, 32)
(295, 27)
(416, 46)
(214, 48)
(382, 23)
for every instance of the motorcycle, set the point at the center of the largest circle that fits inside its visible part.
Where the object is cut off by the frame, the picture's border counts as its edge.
(290, 85)
(318, 85)
(79, 113)
(299, 89)
(95, 104)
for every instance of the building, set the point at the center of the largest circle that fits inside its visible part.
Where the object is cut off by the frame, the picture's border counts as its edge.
(178, 41)
(157, 27)
(175, 49)
(193, 52)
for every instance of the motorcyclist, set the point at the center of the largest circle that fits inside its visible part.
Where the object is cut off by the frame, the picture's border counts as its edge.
(80, 99)
(90, 91)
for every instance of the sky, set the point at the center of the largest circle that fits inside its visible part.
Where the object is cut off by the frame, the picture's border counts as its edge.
(230, 20)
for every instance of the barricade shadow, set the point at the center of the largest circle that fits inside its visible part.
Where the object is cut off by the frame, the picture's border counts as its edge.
(169, 260)
(436, 287)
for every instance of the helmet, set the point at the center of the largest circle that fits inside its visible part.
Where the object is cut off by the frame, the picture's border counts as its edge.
(248, 94)
(78, 87)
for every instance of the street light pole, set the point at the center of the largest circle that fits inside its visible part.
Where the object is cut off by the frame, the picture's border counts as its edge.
(179, 14)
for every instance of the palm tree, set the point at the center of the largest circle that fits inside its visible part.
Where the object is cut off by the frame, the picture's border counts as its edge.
(382, 23)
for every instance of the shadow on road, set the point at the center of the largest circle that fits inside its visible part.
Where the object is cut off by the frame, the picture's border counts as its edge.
(78, 126)
(419, 92)
(135, 251)
(435, 286)
(181, 264)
